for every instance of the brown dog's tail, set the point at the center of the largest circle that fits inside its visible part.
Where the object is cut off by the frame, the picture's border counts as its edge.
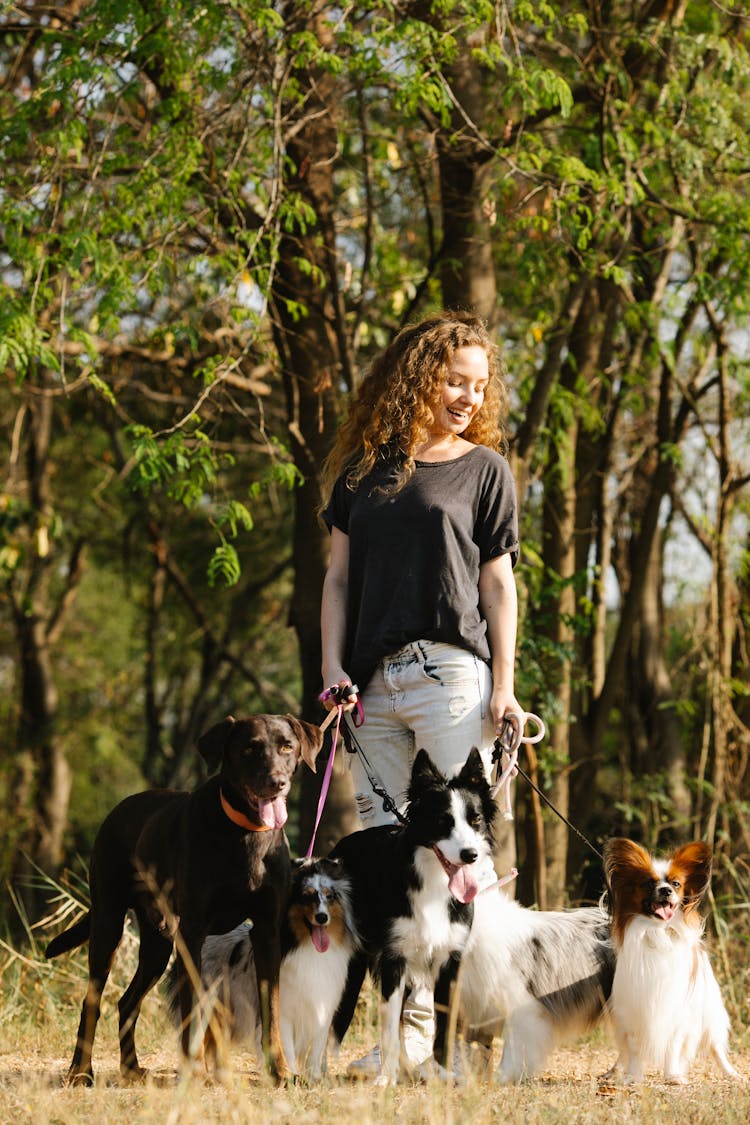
(71, 938)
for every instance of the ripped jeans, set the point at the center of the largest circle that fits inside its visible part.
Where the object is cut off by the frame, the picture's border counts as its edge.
(429, 695)
(433, 696)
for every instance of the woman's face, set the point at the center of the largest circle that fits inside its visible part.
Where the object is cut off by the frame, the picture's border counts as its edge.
(462, 393)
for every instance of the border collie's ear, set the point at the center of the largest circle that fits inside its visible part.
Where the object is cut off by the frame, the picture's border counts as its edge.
(212, 742)
(424, 773)
(310, 739)
(471, 774)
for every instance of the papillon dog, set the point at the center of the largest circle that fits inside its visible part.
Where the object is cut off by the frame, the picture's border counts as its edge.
(665, 1004)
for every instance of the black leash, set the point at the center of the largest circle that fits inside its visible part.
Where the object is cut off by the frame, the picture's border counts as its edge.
(498, 751)
(354, 746)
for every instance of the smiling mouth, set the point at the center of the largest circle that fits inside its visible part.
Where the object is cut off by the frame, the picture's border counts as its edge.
(665, 910)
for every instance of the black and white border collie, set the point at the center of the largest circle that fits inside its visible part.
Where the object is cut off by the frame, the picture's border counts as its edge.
(413, 887)
(318, 940)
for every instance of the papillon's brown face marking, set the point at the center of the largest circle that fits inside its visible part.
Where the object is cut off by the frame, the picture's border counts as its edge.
(655, 888)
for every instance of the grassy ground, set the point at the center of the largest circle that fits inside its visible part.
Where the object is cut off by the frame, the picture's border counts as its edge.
(39, 1018)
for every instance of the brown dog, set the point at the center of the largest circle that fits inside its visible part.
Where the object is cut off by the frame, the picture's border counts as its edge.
(200, 863)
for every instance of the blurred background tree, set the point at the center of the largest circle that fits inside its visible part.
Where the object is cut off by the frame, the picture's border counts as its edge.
(212, 216)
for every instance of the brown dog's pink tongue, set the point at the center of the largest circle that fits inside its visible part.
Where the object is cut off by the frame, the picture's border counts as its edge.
(272, 813)
(320, 938)
(463, 883)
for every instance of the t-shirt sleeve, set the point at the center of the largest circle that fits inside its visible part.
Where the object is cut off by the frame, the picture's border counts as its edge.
(337, 511)
(496, 530)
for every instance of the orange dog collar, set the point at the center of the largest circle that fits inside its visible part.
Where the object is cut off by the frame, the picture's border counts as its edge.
(239, 818)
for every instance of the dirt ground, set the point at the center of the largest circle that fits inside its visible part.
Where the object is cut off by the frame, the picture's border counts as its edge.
(31, 1091)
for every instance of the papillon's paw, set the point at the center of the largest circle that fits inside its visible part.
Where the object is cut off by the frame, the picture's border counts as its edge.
(431, 1070)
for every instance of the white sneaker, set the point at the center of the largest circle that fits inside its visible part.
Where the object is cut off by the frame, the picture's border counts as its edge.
(366, 1067)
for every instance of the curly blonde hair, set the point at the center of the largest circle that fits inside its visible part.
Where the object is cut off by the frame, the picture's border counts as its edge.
(391, 410)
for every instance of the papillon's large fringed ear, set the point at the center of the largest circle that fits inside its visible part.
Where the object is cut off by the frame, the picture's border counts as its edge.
(621, 858)
(691, 865)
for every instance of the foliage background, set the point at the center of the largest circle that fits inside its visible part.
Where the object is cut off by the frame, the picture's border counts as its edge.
(212, 216)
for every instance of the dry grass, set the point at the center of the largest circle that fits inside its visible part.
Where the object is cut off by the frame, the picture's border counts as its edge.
(38, 1022)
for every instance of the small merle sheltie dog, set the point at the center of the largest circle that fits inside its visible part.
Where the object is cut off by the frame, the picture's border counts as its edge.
(318, 940)
(413, 887)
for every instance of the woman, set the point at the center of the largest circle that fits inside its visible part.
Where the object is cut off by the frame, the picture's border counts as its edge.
(419, 601)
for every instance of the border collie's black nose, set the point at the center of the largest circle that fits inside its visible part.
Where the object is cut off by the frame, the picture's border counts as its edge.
(469, 855)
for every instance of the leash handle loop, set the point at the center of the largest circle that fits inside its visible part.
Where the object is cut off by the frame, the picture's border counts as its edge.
(509, 741)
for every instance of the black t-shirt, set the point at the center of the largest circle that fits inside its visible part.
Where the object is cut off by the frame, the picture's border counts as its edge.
(414, 557)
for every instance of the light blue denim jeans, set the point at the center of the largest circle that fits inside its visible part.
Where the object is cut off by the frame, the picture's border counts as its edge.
(433, 696)
(428, 695)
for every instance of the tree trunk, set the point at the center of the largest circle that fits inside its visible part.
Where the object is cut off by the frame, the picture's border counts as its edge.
(467, 272)
(315, 367)
(651, 718)
(40, 785)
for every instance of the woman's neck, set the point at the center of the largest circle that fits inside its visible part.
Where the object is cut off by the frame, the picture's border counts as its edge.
(442, 447)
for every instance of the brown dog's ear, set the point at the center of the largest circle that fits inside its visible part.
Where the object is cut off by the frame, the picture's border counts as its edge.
(310, 739)
(212, 742)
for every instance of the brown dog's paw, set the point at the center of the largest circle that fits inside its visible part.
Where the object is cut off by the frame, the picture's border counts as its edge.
(81, 1078)
(134, 1075)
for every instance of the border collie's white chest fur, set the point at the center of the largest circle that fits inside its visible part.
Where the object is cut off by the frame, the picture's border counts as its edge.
(427, 938)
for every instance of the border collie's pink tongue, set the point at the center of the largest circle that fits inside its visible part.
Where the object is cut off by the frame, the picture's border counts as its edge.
(463, 883)
(273, 813)
(665, 911)
(320, 938)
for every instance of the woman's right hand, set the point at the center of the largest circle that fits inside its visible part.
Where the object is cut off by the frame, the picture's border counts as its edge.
(338, 679)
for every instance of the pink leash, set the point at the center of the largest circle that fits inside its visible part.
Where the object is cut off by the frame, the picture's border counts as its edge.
(358, 718)
(327, 775)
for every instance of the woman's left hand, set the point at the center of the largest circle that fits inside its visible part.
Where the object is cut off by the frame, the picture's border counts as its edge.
(505, 707)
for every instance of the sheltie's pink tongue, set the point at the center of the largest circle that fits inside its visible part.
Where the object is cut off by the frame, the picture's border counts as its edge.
(463, 883)
(273, 813)
(320, 938)
(665, 911)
